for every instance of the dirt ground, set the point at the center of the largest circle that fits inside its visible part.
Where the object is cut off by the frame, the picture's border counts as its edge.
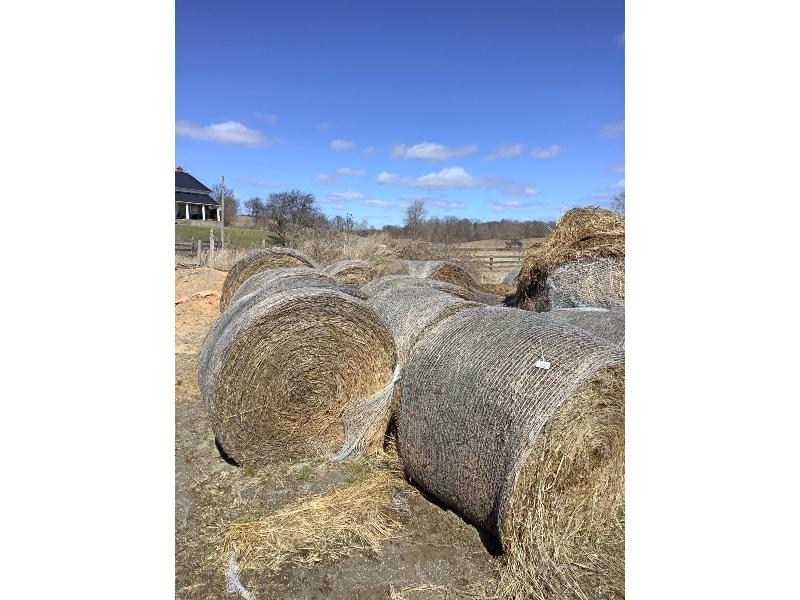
(435, 551)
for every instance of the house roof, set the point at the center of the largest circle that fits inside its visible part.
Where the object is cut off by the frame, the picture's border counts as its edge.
(186, 182)
(195, 198)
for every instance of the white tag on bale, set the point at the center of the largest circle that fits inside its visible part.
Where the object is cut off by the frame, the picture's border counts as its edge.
(542, 364)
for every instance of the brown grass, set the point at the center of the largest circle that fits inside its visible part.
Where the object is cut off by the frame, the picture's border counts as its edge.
(582, 233)
(358, 517)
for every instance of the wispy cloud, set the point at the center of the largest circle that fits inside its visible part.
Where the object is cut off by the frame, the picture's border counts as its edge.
(545, 153)
(369, 151)
(618, 168)
(262, 183)
(230, 132)
(266, 117)
(431, 201)
(430, 152)
(452, 178)
(506, 151)
(386, 204)
(613, 129)
(323, 126)
(621, 40)
(326, 179)
(620, 185)
(504, 205)
(340, 145)
(520, 190)
(352, 172)
(340, 199)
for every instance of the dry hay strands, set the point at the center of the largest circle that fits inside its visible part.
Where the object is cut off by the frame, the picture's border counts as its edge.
(380, 285)
(280, 373)
(600, 322)
(533, 456)
(261, 260)
(411, 311)
(351, 272)
(327, 527)
(442, 270)
(587, 242)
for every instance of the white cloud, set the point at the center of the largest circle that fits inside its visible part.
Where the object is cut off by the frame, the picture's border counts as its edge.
(353, 172)
(323, 126)
(506, 204)
(229, 132)
(339, 145)
(613, 129)
(620, 185)
(369, 151)
(326, 179)
(506, 151)
(450, 178)
(545, 153)
(385, 204)
(618, 168)
(430, 152)
(345, 196)
(520, 190)
(445, 203)
(266, 117)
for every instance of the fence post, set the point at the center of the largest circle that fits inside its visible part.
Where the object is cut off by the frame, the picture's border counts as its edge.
(264, 243)
(211, 247)
(199, 252)
(491, 262)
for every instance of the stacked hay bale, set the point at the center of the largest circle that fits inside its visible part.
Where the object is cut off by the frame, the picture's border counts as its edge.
(581, 264)
(261, 260)
(388, 282)
(288, 367)
(601, 322)
(442, 270)
(351, 272)
(517, 422)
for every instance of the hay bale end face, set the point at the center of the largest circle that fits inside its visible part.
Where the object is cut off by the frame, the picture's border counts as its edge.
(261, 260)
(581, 264)
(476, 411)
(442, 270)
(282, 371)
(351, 272)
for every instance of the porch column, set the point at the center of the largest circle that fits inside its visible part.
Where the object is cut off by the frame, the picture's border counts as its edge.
(218, 213)
(187, 211)
(203, 208)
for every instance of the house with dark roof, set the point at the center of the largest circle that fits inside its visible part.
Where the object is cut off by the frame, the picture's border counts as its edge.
(193, 200)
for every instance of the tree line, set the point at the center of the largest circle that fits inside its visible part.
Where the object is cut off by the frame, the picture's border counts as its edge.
(284, 212)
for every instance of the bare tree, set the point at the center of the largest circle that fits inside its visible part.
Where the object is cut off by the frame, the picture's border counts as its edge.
(253, 205)
(618, 202)
(292, 209)
(231, 202)
(415, 217)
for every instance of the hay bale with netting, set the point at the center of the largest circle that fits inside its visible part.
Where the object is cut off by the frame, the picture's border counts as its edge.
(442, 270)
(533, 456)
(411, 311)
(261, 260)
(387, 282)
(581, 264)
(351, 272)
(281, 375)
(276, 280)
(601, 322)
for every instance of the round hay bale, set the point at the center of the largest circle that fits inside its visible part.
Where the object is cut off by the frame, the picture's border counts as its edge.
(382, 284)
(442, 270)
(276, 280)
(411, 311)
(261, 260)
(600, 322)
(478, 422)
(581, 264)
(351, 272)
(281, 373)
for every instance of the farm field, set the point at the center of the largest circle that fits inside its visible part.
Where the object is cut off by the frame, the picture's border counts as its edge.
(506, 260)
(235, 236)
(433, 552)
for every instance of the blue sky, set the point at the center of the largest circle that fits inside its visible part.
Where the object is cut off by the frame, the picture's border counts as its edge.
(487, 110)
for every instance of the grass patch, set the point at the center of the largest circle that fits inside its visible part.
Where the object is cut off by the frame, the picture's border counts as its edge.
(236, 237)
(305, 473)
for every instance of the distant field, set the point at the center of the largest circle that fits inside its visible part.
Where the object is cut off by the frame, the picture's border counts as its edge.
(235, 236)
(492, 244)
